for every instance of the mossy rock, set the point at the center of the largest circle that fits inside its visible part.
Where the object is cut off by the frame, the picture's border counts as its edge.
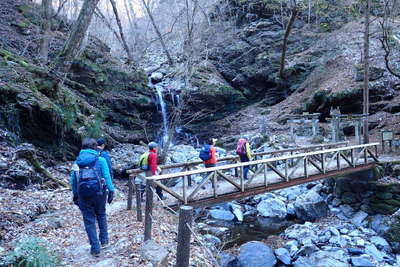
(384, 195)
(393, 202)
(383, 208)
(349, 198)
(393, 234)
(383, 187)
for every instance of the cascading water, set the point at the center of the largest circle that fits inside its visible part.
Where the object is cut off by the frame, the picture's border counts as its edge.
(163, 106)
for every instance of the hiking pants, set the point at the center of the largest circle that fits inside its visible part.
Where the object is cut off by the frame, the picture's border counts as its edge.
(95, 209)
(246, 168)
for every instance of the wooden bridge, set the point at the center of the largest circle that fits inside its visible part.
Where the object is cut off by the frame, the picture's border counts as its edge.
(269, 171)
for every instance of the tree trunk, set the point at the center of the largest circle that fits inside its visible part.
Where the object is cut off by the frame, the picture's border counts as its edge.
(121, 32)
(170, 61)
(79, 29)
(46, 27)
(285, 39)
(366, 71)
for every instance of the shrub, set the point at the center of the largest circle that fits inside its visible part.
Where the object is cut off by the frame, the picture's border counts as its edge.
(32, 252)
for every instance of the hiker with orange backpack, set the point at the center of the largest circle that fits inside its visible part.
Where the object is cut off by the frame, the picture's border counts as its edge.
(243, 151)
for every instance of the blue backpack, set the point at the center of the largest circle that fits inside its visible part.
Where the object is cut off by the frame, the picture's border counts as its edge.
(89, 181)
(205, 153)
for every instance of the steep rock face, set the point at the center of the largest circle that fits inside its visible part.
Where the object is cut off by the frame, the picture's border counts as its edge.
(97, 97)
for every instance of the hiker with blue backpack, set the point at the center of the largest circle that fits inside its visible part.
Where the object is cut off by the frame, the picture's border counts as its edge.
(208, 154)
(91, 184)
(101, 144)
(244, 153)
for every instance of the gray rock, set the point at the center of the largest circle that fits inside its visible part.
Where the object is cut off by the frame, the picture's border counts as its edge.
(355, 251)
(303, 262)
(292, 246)
(358, 218)
(336, 202)
(374, 252)
(344, 231)
(329, 257)
(361, 262)
(334, 231)
(381, 243)
(237, 211)
(272, 208)
(224, 215)
(290, 209)
(347, 210)
(227, 260)
(212, 240)
(292, 193)
(256, 254)
(300, 232)
(156, 77)
(283, 255)
(310, 206)
(379, 223)
(154, 253)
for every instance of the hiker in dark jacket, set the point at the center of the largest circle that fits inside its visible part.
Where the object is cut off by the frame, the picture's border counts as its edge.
(101, 144)
(88, 175)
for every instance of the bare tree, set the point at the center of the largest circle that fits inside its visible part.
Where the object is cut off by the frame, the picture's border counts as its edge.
(366, 70)
(121, 32)
(388, 37)
(76, 37)
(46, 7)
(294, 11)
(157, 30)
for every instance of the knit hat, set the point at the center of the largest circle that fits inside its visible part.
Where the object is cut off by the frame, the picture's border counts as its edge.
(153, 145)
(101, 141)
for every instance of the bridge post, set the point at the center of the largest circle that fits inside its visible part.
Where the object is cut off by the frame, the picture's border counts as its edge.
(148, 221)
(138, 202)
(184, 233)
(130, 193)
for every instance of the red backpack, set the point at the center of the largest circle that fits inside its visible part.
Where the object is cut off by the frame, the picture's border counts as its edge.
(241, 147)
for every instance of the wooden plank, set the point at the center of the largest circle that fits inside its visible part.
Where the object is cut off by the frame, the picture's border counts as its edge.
(265, 175)
(254, 175)
(346, 159)
(214, 181)
(323, 163)
(286, 171)
(228, 179)
(358, 156)
(194, 192)
(295, 166)
(315, 165)
(168, 190)
(331, 160)
(305, 167)
(373, 156)
(276, 170)
(184, 190)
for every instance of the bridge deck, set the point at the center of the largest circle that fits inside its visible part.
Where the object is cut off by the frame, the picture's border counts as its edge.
(267, 174)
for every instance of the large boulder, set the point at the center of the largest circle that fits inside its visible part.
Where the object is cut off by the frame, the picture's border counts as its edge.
(154, 253)
(310, 206)
(256, 254)
(224, 215)
(272, 208)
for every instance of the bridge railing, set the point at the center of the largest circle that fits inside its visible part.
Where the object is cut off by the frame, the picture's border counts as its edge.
(287, 169)
(187, 166)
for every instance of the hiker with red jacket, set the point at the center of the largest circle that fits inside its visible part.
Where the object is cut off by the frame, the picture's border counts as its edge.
(208, 154)
(153, 167)
(243, 150)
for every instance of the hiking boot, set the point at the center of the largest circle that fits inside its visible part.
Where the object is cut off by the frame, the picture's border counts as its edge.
(105, 245)
(95, 253)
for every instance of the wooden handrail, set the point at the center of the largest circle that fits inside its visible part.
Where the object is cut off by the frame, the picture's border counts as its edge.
(234, 157)
(243, 164)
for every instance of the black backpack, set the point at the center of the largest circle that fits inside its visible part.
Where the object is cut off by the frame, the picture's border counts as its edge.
(89, 181)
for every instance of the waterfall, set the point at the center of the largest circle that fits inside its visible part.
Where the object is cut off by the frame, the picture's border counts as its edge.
(163, 106)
